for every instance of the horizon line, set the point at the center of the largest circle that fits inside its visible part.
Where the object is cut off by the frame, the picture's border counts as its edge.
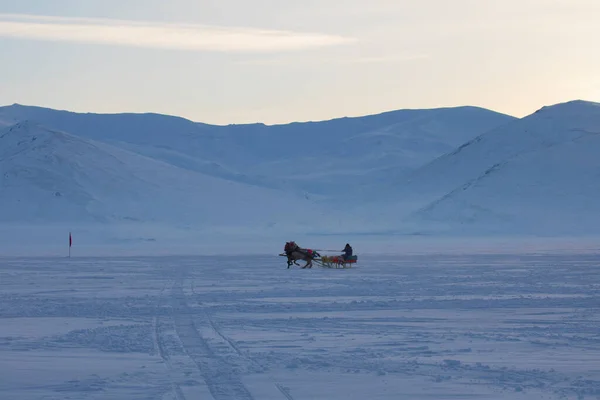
(251, 123)
(292, 121)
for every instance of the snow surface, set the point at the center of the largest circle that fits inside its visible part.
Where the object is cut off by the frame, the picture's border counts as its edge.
(426, 313)
(461, 326)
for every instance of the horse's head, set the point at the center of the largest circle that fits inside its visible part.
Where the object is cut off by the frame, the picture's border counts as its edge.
(290, 246)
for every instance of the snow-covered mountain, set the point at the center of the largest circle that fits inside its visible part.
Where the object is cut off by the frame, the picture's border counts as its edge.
(49, 176)
(538, 175)
(316, 157)
(454, 171)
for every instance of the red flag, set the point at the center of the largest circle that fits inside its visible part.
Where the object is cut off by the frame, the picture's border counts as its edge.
(70, 240)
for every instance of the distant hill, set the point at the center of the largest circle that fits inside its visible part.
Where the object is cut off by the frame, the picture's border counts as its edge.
(49, 176)
(329, 158)
(452, 171)
(539, 175)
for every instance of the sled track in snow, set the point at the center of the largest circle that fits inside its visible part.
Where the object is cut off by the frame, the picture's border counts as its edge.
(222, 381)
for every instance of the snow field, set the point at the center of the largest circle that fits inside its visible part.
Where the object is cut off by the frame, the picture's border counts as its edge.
(397, 327)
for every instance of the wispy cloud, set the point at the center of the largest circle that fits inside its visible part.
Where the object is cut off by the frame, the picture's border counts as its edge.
(389, 59)
(160, 35)
(386, 59)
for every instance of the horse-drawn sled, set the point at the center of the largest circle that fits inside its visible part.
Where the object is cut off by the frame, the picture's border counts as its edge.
(295, 253)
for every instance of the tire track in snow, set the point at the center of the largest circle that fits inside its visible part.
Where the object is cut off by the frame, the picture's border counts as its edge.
(231, 343)
(280, 387)
(284, 391)
(160, 349)
(222, 381)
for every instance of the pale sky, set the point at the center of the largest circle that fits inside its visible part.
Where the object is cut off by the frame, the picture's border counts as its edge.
(277, 61)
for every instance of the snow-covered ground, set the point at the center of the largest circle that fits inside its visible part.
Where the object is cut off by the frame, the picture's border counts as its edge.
(455, 326)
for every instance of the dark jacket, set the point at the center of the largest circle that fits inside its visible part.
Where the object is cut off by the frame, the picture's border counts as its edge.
(347, 251)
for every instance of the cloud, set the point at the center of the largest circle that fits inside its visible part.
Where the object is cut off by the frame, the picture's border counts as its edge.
(389, 59)
(188, 37)
(386, 59)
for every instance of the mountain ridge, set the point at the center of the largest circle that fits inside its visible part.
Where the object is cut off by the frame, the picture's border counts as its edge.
(341, 152)
(248, 124)
(422, 172)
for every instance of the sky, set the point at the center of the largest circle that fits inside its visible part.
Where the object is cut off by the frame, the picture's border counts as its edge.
(274, 61)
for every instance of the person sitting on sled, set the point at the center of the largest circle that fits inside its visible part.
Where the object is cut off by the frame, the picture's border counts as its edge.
(347, 252)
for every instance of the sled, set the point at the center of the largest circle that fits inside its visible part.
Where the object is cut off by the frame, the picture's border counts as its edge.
(332, 261)
(336, 261)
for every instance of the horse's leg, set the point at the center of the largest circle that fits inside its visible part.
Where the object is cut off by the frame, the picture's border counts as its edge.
(307, 262)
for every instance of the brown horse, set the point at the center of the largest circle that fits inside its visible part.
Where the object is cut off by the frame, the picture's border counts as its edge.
(294, 253)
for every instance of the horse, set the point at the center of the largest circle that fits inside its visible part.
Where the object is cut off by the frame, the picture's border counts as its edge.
(294, 253)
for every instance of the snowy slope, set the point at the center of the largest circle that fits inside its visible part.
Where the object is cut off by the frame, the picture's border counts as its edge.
(371, 151)
(7, 121)
(316, 157)
(537, 175)
(51, 176)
